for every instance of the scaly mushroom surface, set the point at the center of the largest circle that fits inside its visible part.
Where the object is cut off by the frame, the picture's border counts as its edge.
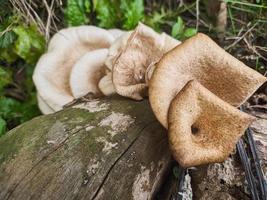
(202, 128)
(192, 91)
(200, 58)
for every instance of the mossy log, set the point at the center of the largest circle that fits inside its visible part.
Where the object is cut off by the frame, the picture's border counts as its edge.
(112, 148)
(100, 149)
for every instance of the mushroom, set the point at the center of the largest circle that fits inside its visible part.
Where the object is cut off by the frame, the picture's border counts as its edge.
(87, 72)
(106, 86)
(52, 72)
(116, 48)
(202, 127)
(193, 90)
(199, 58)
(131, 55)
(44, 108)
(116, 33)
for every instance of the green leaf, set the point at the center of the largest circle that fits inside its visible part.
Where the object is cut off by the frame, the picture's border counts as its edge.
(29, 108)
(189, 32)
(76, 12)
(30, 43)
(107, 13)
(15, 112)
(9, 108)
(7, 39)
(5, 78)
(156, 19)
(178, 28)
(133, 12)
(2, 126)
(8, 54)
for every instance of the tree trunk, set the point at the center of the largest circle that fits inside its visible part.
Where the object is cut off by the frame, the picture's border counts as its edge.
(102, 149)
(112, 148)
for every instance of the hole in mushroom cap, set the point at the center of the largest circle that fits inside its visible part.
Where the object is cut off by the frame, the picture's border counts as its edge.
(194, 129)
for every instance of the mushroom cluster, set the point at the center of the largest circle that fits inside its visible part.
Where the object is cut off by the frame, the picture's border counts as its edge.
(73, 66)
(194, 87)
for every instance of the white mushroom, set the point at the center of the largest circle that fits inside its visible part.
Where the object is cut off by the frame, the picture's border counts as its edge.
(116, 33)
(44, 108)
(87, 72)
(52, 72)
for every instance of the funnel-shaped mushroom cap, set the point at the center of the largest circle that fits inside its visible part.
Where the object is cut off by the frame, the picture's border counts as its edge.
(44, 108)
(202, 127)
(52, 72)
(201, 59)
(143, 47)
(87, 72)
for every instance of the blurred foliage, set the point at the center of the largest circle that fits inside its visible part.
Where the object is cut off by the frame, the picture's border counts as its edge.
(76, 12)
(119, 13)
(179, 30)
(20, 47)
(22, 40)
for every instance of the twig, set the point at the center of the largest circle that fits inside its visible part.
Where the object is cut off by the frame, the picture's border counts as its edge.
(240, 38)
(197, 14)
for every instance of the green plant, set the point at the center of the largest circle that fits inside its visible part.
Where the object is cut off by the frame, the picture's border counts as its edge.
(181, 32)
(133, 13)
(76, 12)
(20, 47)
(119, 13)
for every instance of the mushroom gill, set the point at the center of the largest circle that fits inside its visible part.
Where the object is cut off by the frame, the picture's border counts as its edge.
(132, 56)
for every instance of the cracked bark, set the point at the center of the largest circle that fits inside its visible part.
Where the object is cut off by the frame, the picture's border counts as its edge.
(69, 155)
(83, 160)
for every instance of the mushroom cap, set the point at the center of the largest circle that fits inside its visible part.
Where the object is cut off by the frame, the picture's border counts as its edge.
(44, 108)
(87, 72)
(106, 86)
(202, 127)
(51, 80)
(116, 33)
(116, 48)
(142, 48)
(199, 58)
(81, 38)
(52, 72)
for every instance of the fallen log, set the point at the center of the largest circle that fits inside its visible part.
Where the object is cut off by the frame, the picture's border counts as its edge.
(108, 149)
(112, 148)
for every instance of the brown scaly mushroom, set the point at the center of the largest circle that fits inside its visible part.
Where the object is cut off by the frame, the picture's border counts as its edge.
(132, 55)
(202, 127)
(52, 72)
(200, 58)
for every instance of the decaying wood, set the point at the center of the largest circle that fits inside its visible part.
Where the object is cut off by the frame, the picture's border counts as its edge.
(108, 149)
(105, 149)
(227, 180)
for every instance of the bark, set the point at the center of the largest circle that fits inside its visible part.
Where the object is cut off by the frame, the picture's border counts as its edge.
(108, 149)
(227, 180)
